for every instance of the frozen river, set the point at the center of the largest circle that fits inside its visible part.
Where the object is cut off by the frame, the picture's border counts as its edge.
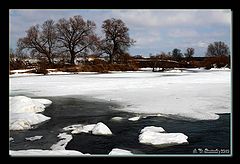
(195, 102)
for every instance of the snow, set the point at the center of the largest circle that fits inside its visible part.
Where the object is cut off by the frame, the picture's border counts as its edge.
(22, 121)
(59, 73)
(193, 94)
(24, 112)
(156, 136)
(39, 152)
(34, 138)
(86, 128)
(72, 127)
(134, 118)
(162, 139)
(220, 69)
(21, 70)
(23, 104)
(24, 74)
(60, 145)
(117, 151)
(43, 101)
(101, 129)
(152, 129)
(96, 129)
(11, 139)
(174, 71)
(116, 119)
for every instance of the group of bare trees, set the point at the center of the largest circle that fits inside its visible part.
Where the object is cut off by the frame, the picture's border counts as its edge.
(76, 37)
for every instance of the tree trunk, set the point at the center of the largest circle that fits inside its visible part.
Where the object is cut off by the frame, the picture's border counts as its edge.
(49, 60)
(72, 58)
(111, 58)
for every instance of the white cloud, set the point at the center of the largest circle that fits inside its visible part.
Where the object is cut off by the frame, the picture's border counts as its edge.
(175, 33)
(173, 18)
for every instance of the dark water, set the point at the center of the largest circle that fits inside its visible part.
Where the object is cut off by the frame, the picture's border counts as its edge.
(65, 111)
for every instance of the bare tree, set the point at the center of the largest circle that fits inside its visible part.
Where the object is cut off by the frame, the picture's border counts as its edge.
(189, 53)
(176, 54)
(217, 49)
(40, 40)
(117, 40)
(76, 36)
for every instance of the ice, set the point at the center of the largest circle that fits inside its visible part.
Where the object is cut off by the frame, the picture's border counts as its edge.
(24, 112)
(194, 93)
(134, 118)
(21, 70)
(11, 139)
(156, 136)
(116, 118)
(44, 101)
(220, 69)
(101, 129)
(73, 127)
(59, 73)
(162, 139)
(22, 121)
(117, 151)
(23, 104)
(96, 129)
(152, 129)
(60, 145)
(39, 152)
(84, 129)
(34, 138)
(24, 75)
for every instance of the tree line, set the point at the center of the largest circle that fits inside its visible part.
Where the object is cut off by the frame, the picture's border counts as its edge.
(75, 37)
(67, 39)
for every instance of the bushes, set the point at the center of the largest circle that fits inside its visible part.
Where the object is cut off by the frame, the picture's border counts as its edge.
(17, 64)
(219, 61)
(101, 68)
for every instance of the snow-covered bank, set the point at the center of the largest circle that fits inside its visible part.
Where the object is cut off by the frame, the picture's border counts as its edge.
(39, 152)
(193, 93)
(24, 112)
(155, 136)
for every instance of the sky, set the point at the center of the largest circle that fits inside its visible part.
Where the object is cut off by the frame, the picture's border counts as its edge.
(154, 31)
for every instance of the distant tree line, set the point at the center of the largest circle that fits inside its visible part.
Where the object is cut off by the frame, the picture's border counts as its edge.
(217, 55)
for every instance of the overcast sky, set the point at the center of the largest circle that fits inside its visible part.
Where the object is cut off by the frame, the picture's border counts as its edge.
(154, 30)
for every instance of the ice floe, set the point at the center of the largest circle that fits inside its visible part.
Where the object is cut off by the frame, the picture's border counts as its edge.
(134, 118)
(156, 136)
(101, 129)
(152, 129)
(116, 119)
(117, 151)
(96, 129)
(60, 145)
(24, 112)
(84, 129)
(11, 139)
(22, 121)
(33, 138)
